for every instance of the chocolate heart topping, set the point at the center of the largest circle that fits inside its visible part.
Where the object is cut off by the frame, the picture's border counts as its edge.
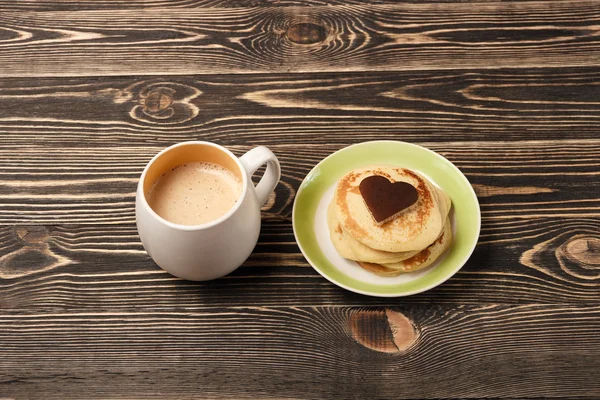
(386, 199)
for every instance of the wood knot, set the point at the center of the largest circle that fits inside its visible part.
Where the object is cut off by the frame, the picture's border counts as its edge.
(30, 254)
(584, 250)
(157, 104)
(280, 201)
(270, 201)
(165, 103)
(157, 101)
(384, 331)
(32, 235)
(576, 249)
(307, 33)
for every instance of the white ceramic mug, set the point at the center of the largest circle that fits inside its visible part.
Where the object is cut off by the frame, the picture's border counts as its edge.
(214, 249)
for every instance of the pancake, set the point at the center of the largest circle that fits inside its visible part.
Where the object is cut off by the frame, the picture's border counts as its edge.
(337, 237)
(427, 256)
(352, 249)
(379, 269)
(443, 200)
(420, 261)
(447, 200)
(367, 254)
(413, 230)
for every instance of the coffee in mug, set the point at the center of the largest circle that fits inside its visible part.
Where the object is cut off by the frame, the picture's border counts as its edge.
(195, 193)
(197, 209)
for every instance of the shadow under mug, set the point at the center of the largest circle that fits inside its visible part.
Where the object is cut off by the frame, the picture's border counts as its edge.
(211, 250)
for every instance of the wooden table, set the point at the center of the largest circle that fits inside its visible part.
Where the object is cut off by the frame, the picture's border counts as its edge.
(90, 91)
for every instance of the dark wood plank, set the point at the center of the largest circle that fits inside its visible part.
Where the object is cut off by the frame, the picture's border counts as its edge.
(249, 352)
(362, 37)
(514, 180)
(540, 260)
(421, 106)
(539, 239)
(77, 5)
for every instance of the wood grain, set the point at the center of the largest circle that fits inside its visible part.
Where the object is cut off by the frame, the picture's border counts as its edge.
(539, 245)
(360, 37)
(518, 261)
(97, 185)
(77, 5)
(344, 108)
(300, 353)
(90, 91)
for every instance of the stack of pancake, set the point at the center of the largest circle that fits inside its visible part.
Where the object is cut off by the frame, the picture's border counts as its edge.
(389, 228)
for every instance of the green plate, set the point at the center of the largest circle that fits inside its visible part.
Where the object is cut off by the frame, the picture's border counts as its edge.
(310, 221)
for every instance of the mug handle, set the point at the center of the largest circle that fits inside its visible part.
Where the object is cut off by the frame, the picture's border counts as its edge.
(252, 160)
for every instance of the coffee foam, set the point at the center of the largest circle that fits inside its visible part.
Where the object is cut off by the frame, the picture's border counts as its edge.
(194, 193)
